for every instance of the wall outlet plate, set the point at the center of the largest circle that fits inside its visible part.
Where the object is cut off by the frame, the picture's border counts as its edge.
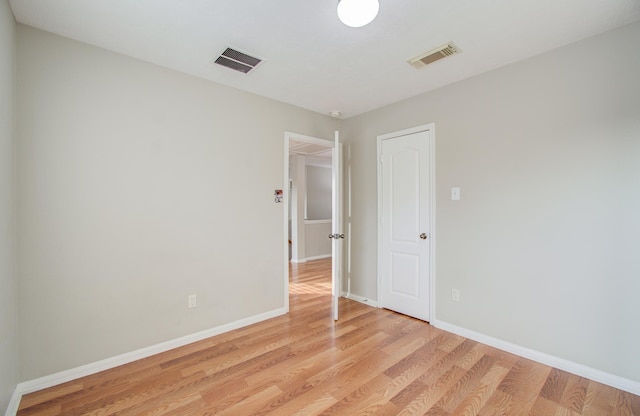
(192, 301)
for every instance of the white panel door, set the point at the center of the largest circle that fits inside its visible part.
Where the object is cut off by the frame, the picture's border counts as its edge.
(337, 234)
(405, 224)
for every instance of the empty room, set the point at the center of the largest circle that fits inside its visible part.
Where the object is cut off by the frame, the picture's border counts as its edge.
(478, 168)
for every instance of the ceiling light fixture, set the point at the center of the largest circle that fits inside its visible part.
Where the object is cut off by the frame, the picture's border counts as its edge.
(357, 13)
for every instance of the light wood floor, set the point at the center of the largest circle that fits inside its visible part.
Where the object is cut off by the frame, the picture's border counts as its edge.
(371, 362)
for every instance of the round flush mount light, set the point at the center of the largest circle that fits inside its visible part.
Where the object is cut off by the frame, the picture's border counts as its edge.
(357, 13)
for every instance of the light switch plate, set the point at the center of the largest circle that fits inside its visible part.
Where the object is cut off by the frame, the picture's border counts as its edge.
(455, 194)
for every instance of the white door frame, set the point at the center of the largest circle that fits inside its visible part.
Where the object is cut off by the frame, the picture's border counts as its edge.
(430, 129)
(288, 136)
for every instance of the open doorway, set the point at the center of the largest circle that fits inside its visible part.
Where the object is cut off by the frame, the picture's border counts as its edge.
(310, 187)
(308, 199)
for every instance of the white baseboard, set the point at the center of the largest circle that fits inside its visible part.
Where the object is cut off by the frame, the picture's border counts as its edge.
(12, 409)
(360, 299)
(306, 259)
(323, 256)
(106, 364)
(581, 370)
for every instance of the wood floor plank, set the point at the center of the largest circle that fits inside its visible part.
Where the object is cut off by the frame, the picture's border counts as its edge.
(417, 361)
(52, 394)
(253, 403)
(469, 381)
(429, 396)
(524, 383)
(357, 399)
(475, 400)
(553, 388)
(546, 407)
(375, 402)
(165, 404)
(575, 393)
(471, 358)
(314, 407)
(498, 404)
(370, 362)
(621, 402)
(43, 410)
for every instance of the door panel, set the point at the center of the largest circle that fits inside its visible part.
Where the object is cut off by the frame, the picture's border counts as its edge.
(336, 226)
(405, 216)
(403, 274)
(404, 172)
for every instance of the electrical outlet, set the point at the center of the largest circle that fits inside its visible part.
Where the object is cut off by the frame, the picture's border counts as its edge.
(192, 301)
(455, 295)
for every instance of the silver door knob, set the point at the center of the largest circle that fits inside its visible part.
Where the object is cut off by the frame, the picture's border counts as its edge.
(423, 236)
(336, 236)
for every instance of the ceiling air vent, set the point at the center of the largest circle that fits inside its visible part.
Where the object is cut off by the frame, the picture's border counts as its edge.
(237, 61)
(433, 55)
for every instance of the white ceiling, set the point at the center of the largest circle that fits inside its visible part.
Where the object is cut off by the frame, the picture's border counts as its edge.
(314, 61)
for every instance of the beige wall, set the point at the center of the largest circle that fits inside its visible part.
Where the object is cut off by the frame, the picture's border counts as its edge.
(317, 241)
(318, 192)
(138, 186)
(8, 285)
(543, 244)
(319, 185)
